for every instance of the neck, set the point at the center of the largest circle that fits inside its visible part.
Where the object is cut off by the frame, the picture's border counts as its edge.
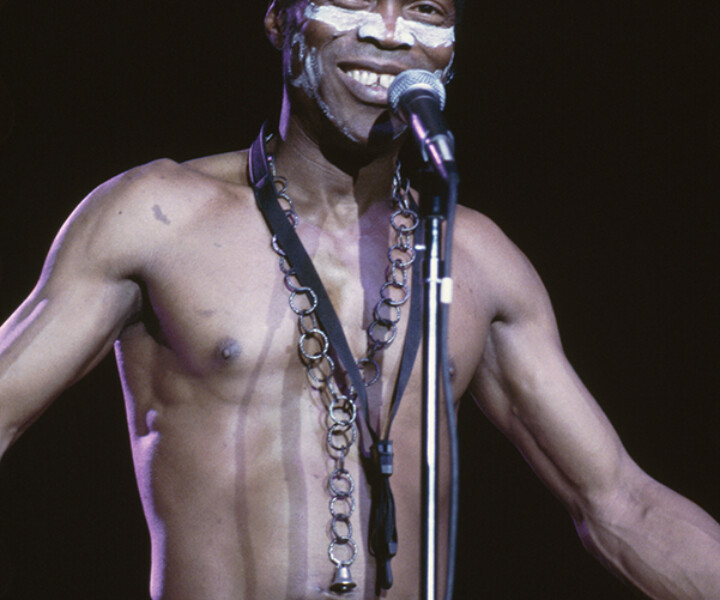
(332, 182)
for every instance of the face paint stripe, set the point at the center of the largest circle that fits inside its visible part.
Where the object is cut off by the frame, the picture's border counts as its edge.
(375, 28)
(371, 24)
(428, 35)
(340, 19)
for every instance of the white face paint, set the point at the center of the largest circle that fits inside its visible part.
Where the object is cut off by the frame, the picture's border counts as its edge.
(372, 25)
(340, 19)
(309, 78)
(311, 71)
(426, 34)
(304, 68)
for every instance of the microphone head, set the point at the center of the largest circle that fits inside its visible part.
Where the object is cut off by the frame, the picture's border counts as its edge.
(415, 80)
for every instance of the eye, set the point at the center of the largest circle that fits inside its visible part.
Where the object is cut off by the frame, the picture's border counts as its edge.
(427, 9)
(433, 13)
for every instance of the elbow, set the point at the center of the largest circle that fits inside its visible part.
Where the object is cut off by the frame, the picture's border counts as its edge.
(616, 521)
(599, 541)
(602, 516)
(602, 532)
(608, 513)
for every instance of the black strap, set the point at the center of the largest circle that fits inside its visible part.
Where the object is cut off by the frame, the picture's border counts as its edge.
(378, 463)
(288, 240)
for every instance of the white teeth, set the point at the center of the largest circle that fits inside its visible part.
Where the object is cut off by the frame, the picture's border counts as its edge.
(370, 79)
(386, 80)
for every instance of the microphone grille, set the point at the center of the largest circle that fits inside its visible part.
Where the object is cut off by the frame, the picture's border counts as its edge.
(415, 79)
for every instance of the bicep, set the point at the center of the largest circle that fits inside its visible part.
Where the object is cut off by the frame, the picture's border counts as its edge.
(66, 325)
(527, 387)
(57, 335)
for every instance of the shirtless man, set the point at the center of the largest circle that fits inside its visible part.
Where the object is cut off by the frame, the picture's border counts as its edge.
(228, 435)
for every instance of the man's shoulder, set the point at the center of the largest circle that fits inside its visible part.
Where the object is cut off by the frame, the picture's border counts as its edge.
(165, 184)
(486, 255)
(478, 235)
(172, 179)
(156, 203)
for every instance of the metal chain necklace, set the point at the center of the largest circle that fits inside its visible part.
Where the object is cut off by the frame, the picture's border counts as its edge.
(328, 380)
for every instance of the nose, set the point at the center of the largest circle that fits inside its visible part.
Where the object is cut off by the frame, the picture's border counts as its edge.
(383, 27)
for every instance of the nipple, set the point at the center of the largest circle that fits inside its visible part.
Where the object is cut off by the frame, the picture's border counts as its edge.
(228, 350)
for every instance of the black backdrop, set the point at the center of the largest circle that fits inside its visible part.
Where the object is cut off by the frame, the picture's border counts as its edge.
(586, 132)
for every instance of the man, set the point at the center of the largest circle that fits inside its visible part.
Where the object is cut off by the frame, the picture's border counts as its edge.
(227, 433)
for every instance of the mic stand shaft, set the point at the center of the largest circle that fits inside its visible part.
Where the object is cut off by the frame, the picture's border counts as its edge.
(431, 399)
(436, 194)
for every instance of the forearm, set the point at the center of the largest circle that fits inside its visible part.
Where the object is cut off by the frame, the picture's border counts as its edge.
(658, 541)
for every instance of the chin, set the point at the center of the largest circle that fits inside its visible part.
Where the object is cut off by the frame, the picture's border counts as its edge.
(384, 134)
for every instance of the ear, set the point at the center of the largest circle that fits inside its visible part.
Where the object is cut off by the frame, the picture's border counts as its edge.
(275, 24)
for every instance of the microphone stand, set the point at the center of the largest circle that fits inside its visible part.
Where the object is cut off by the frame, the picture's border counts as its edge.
(438, 196)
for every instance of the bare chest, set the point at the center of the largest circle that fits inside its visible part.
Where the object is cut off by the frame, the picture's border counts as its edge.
(220, 305)
(216, 366)
(224, 299)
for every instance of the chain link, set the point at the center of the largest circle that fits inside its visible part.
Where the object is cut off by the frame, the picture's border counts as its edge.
(314, 348)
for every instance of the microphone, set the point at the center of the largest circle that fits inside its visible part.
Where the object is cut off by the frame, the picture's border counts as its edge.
(418, 98)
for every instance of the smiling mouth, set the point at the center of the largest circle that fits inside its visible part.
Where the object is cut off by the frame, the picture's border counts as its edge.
(371, 79)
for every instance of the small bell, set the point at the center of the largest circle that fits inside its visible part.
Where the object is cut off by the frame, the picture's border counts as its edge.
(342, 582)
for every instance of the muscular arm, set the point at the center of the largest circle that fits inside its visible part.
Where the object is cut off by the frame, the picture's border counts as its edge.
(72, 317)
(645, 533)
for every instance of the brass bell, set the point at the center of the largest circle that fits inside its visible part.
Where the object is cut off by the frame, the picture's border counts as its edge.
(342, 582)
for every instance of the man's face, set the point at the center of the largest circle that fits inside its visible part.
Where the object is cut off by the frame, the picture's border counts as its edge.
(340, 56)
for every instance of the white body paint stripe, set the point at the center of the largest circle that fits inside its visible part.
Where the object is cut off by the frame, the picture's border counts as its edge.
(340, 19)
(371, 24)
(428, 35)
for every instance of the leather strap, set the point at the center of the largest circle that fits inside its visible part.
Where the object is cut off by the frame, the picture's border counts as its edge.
(378, 462)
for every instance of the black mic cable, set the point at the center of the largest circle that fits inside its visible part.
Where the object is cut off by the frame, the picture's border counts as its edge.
(418, 98)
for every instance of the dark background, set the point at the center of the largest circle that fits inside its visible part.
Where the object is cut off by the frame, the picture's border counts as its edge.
(588, 133)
